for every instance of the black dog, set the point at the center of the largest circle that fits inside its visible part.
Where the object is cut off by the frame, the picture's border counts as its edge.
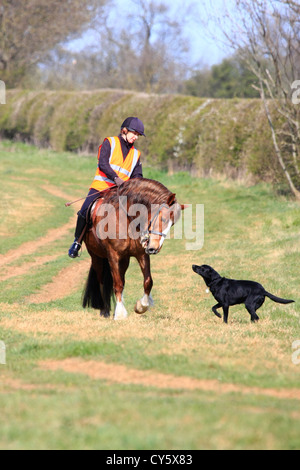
(229, 292)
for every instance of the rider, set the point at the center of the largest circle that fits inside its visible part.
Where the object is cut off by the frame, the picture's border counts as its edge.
(118, 161)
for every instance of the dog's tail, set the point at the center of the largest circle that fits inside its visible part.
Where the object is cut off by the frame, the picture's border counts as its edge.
(278, 299)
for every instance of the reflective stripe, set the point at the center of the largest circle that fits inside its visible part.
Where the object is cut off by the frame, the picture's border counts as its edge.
(113, 145)
(120, 170)
(134, 160)
(101, 178)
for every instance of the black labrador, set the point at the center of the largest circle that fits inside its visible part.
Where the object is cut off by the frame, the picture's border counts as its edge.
(229, 292)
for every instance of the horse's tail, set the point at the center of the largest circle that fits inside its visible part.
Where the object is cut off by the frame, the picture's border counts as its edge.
(95, 297)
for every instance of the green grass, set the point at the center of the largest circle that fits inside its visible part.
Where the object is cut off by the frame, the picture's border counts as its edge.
(249, 233)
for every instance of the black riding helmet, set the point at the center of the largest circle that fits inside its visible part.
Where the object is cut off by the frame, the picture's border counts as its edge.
(134, 124)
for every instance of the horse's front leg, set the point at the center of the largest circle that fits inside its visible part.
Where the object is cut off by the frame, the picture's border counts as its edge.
(146, 301)
(118, 270)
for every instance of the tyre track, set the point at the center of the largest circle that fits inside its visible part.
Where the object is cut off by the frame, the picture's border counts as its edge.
(64, 283)
(119, 374)
(32, 246)
(67, 280)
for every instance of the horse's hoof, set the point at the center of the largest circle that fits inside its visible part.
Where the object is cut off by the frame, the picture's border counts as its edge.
(120, 317)
(120, 312)
(140, 308)
(104, 313)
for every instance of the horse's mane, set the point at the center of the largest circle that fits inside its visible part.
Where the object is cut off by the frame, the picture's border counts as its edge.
(140, 191)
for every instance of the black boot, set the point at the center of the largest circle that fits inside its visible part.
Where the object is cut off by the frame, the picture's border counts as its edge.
(80, 227)
(74, 249)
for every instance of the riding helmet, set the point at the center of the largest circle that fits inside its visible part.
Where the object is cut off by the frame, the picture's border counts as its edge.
(134, 124)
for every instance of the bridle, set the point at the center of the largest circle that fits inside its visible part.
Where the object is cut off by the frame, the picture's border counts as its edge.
(145, 236)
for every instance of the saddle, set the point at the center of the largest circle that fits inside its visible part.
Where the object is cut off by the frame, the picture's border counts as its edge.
(89, 217)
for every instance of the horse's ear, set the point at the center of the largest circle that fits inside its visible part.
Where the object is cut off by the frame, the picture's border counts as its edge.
(171, 199)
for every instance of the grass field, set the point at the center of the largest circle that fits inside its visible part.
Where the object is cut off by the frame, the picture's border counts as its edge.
(174, 378)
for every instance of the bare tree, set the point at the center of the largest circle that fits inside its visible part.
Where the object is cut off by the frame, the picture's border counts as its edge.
(157, 39)
(148, 52)
(266, 33)
(138, 46)
(29, 30)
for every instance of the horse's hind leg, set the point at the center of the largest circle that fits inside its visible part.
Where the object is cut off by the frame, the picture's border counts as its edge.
(146, 301)
(105, 311)
(99, 265)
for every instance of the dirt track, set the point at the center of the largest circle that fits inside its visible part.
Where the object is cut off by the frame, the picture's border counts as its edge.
(67, 280)
(120, 374)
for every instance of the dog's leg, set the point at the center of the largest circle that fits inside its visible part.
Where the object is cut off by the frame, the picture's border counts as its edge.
(252, 311)
(225, 311)
(214, 309)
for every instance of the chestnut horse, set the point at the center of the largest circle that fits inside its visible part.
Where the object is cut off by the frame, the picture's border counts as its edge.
(130, 221)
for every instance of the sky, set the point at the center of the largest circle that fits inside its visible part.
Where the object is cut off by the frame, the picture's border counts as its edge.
(204, 51)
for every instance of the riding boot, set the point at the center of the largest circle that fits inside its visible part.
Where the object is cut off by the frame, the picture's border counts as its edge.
(79, 232)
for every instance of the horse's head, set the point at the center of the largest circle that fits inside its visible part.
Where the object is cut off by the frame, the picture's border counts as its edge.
(157, 208)
(160, 221)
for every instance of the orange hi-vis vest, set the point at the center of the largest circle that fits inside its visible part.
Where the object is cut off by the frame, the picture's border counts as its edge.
(123, 168)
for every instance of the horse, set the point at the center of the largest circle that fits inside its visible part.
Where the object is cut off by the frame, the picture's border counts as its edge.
(131, 220)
